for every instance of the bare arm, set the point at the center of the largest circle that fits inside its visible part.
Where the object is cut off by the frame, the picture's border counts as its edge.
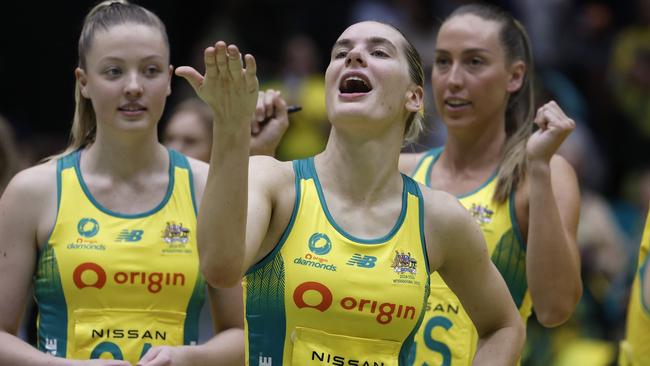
(24, 203)
(552, 258)
(469, 272)
(232, 95)
(226, 348)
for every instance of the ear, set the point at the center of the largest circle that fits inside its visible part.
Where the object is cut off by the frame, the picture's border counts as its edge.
(169, 83)
(517, 75)
(415, 99)
(82, 80)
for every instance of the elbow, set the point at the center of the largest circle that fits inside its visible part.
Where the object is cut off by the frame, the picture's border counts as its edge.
(218, 276)
(558, 312)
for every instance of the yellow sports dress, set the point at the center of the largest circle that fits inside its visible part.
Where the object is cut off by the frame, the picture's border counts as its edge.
(635, 348)
(111, 285)
(324, 297)
(447, 336)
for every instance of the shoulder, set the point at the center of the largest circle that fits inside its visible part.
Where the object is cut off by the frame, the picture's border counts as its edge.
(35, 182)
(442, 209)
(271, 173)
(409, 161)
(448, 227)
(31, 194)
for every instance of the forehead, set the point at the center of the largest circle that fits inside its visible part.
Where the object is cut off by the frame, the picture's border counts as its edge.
(469, 31)
(126, 41)
(371, 30)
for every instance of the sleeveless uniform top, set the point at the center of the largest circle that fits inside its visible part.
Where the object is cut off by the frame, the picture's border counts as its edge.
(324, 297)
(447, 336)
(635, 348)
(111, 285)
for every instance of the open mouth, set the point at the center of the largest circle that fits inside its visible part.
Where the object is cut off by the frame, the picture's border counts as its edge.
(355, 84)
(456, 103)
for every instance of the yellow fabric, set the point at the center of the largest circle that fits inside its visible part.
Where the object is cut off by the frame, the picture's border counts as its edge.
(111, 285)
(635, 348)
(447, 336)
(349, 289)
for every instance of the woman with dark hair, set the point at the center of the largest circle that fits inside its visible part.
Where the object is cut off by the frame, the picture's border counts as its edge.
(524, 196)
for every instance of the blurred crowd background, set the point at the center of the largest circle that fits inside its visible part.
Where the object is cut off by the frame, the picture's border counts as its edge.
(592, 57)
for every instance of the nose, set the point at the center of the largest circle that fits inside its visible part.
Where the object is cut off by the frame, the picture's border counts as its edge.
(133, 88)
(455, 77)
(355, 58)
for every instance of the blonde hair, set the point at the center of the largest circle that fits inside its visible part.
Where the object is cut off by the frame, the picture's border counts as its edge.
(102, 17)
(520, 109)
(415, 121)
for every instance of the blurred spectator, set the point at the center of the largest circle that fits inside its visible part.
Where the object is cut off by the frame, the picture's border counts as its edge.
(630, 80)
(189, 129)
(301, 81)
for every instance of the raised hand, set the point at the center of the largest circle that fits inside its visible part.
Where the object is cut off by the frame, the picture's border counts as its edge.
(228, 87)
(269, 123)
(554, 128)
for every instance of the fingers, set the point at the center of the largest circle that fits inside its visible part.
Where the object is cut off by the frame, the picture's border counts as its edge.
(191, 75)
(252, 84)
(551, 115)
(235, 65)
(149, 356)
(210, 62)
(221, 58)
(258, 115)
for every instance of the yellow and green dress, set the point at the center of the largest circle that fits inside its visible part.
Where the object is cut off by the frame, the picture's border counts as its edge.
(112, 285)
(635, 348)
(447, 336)
(325, 297)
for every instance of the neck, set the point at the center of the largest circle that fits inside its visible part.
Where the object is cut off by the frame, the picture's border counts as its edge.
(363, 169)
(125, 158)
(474, 148)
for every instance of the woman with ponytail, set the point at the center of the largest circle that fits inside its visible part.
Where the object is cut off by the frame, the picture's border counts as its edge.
(524, 197)
(106, 232)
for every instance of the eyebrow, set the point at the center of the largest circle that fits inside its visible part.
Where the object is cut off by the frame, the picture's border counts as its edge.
(372, 41)
(469, 50)
(119, 59)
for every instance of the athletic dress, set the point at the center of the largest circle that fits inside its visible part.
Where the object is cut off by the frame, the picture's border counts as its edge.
(325, 297)
(635, 348)
(111, 285)
(447, 336)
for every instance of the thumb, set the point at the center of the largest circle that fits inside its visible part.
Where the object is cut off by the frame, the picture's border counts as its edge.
(191, 75)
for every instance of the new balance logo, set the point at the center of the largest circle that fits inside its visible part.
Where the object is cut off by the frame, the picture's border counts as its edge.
(365, 261)
(265, 361)
(130, 235)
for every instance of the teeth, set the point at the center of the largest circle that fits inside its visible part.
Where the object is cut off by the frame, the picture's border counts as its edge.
(456, 102)
(355, 78)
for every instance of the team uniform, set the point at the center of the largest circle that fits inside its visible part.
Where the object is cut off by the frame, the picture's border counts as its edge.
(635, 348)
(447, 336)
(111, 285)
(324, 297)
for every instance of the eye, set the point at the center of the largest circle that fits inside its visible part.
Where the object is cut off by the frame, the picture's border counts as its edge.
(476, 62)
(340, 54)
(113, 71)
(151, 71)
(379, 53)
(442, 62)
